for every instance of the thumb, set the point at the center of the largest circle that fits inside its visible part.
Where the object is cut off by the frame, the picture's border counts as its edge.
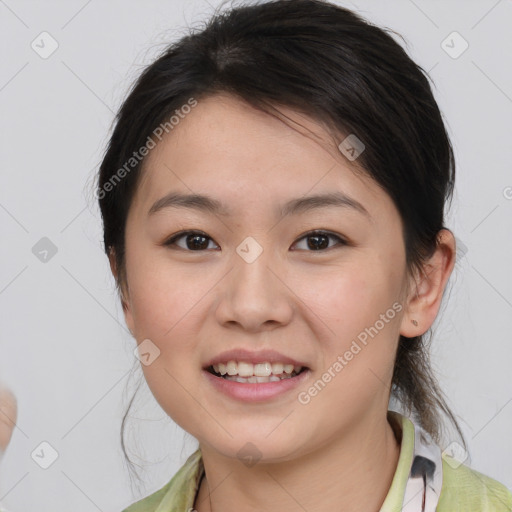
(8, 416)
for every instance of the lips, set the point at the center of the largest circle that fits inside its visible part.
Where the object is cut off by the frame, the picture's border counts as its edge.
(246, 390)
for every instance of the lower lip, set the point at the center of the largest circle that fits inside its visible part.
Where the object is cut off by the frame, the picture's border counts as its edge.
(257, 391)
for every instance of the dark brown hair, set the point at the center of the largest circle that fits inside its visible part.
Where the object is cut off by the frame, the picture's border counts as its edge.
(329, 63)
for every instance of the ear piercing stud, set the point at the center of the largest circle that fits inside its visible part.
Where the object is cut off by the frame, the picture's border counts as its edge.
(414, 322)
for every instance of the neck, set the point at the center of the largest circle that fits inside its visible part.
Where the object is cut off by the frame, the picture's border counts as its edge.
(352, 472)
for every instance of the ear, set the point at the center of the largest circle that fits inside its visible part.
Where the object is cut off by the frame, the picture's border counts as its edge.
(125, 302)
(425, 296)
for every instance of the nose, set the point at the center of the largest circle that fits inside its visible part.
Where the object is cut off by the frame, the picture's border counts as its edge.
(254, 295)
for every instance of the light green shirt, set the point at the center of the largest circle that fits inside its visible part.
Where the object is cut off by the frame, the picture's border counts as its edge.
(463, 489)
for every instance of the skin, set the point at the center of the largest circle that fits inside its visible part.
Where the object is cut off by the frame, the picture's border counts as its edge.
(338, 451)
(8, 414)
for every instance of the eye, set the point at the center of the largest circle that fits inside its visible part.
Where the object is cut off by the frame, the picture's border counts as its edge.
(194, 240)
(320, 240)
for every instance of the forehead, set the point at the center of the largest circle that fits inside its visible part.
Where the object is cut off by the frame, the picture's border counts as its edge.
(228, 149)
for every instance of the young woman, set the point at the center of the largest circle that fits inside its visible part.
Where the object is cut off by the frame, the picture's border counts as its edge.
(273, 200)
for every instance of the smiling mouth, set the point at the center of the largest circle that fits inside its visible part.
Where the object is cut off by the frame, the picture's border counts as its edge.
(254, 374)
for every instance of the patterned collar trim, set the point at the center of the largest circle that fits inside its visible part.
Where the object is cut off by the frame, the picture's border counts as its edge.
(423, 487)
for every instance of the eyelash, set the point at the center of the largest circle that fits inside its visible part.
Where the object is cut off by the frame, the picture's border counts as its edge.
(172, 241)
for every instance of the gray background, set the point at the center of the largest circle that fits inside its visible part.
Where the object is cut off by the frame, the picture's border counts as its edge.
(65, 350)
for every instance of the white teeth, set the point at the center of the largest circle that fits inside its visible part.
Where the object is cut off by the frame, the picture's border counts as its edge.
(245, 369)
(254, 379)
(277, 368)
(230, 368)
(288, 368)
(263, 371)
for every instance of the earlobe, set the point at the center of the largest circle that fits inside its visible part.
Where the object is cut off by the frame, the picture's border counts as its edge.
(425, 297)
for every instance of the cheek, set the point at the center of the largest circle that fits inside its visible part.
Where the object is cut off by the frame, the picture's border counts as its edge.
(357, 316)
(160, 293)
(348, 299)
(361, 313)
(164, 307)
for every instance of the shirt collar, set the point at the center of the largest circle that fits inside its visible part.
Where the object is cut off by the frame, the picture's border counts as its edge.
(418, 479)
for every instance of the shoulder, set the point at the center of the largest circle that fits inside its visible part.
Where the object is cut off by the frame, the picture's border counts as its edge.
(465, 489)
(149, 503)
(177, 494)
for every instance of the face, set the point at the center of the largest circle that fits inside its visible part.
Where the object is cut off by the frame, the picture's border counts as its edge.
(258, 276)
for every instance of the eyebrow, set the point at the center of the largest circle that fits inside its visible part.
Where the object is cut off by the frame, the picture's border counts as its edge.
(293, 207)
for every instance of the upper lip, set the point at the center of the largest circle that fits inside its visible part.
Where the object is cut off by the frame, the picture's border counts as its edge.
(254, 357)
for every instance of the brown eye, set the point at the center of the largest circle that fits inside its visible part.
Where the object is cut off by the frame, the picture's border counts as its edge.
(319, 240)
(194, 241)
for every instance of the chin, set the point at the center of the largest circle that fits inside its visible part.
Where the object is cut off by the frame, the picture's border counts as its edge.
(255, 447)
